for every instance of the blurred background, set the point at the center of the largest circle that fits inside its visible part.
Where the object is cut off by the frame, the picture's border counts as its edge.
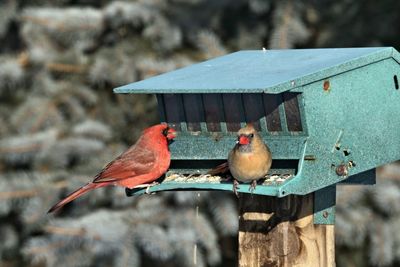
(60, 124)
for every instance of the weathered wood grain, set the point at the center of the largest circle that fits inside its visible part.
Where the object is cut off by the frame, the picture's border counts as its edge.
(279, 232)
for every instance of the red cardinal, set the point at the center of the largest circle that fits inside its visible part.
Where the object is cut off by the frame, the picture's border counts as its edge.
(142, 163)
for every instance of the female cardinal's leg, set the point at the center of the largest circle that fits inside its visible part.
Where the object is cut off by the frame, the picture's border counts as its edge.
(253, 186)
(235, 187)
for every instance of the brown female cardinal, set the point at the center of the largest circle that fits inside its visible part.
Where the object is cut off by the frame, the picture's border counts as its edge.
(142, 163)
(249, 160)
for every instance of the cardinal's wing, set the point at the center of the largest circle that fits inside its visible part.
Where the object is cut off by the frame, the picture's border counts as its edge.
(135, 161)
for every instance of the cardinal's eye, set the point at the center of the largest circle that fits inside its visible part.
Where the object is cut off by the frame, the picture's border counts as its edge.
(251, 135)
(165, 131)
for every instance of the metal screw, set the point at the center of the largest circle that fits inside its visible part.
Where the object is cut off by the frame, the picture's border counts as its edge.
(309, 157)
(327, 85)
(351, 164)
(342, 170)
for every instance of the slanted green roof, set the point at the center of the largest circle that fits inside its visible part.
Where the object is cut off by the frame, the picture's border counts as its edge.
(268, 71)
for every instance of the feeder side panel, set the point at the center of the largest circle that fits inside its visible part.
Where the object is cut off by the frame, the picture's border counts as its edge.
(353, 125)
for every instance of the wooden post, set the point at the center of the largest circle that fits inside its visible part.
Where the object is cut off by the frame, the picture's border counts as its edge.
(280, 232)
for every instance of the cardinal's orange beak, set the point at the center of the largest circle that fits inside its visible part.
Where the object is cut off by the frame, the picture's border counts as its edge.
(171, 134)
(244, 140)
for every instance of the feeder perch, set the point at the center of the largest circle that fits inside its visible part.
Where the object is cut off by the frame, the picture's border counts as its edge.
(329, 116)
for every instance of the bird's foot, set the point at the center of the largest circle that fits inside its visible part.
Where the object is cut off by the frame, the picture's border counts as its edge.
(235, 187)
(147, 186)
(253, 186)
(150, 185)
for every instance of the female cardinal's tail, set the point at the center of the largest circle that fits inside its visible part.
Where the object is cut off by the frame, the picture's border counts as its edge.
(76, 194)
(220, 169)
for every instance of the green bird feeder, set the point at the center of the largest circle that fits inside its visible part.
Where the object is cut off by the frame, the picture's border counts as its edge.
(329, 116)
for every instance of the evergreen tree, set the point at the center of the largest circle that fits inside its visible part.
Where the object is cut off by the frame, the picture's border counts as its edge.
(60, 123)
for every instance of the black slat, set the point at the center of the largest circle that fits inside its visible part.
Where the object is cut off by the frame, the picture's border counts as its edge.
(174, 110)
(253, 109)
(194, 111)
(233, 110)
(271, 107)
(213, 111)
(161, 107)
(292, 112)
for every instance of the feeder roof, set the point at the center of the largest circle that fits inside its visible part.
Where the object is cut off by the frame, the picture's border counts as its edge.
(261, 71)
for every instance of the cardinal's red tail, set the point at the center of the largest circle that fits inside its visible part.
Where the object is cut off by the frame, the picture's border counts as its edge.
(76, 194)
(220, 169)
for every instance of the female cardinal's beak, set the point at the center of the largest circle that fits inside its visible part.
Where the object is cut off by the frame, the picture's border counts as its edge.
(243, 140)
